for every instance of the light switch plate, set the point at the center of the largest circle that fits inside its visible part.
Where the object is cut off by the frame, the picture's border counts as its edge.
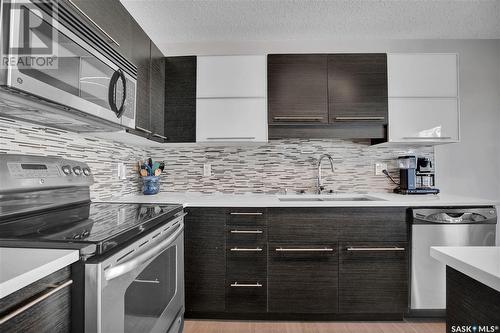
(207, 170)
(379, 167)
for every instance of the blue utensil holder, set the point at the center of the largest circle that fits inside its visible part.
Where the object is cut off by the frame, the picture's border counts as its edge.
(151, 185)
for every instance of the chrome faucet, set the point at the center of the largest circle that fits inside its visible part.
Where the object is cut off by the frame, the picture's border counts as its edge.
(319, 185)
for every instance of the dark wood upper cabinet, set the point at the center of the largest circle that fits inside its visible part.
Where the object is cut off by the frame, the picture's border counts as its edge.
(327, 96)
(141, 57)
(357, 88)
(112, 17)
(297, 89)
(180, 99)
(157, 94)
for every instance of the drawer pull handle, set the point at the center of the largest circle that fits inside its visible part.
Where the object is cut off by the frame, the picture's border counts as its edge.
(358, 118)
(160, 136)
(246, 231)
(232, 138)
(242, 249)
(297, 118)
(242, 213)
(323, 249)
(394, 248)
(143, 130)
(251, 285)
(52, 290)
(426, 137)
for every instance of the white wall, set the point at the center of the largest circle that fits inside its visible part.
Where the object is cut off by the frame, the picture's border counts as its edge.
(471, 167)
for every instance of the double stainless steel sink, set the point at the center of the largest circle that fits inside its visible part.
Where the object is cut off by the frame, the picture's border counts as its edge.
(320, 198)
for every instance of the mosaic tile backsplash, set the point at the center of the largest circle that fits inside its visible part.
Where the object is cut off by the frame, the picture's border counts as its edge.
(269, 168)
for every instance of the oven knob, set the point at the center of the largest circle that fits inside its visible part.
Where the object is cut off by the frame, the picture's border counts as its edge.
(77, 170)
(86, 233)
(86, 171)
(66, 169)
(77, 236)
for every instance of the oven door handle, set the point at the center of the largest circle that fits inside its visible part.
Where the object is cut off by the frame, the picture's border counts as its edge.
(135, 262)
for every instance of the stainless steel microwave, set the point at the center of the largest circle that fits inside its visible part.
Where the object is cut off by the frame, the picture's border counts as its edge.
(57, 70)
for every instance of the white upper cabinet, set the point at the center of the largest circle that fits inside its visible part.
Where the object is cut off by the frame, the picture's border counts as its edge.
(423, 120)
(231, 102)
(231, 120)
(231, 76)
(423, 98)
(422, 75)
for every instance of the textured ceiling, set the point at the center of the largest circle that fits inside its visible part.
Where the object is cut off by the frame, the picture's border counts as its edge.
(170, 22)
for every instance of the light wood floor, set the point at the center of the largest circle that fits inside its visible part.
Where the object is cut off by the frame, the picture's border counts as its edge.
(210, 326)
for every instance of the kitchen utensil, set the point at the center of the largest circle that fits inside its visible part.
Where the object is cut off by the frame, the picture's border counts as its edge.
(157, 172)
(143, 172)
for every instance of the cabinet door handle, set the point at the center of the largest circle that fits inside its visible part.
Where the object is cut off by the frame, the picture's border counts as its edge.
(242, 249)
(360, 118)
(298, 118)
(108, 36)
(232, 138)
(243, 213)
(50, 292)
(323, 249)
(246, 231)
(426, 137)
(392, 248)
(251, 285)
(159, 136)
(143, 130)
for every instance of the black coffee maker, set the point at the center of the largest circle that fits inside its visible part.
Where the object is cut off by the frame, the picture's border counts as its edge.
(416, 176)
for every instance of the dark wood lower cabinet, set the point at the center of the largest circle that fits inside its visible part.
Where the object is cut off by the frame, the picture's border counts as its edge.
(303, 278)
(205, 260)
(373, 277)
(52, 314)
(296, 263)
(470, 303)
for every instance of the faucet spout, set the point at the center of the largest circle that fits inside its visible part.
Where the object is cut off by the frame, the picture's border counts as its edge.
(319, 184)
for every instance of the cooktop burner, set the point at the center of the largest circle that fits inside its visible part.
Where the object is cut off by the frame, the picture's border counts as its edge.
(104, 224)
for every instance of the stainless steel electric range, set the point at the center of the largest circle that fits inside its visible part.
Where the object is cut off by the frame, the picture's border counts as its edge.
(132, 255)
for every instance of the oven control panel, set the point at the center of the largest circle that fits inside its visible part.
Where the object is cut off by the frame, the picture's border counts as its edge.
(29, 170)
(18, 172)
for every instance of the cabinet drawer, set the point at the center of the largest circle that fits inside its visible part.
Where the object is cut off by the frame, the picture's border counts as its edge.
(246, 296)
(302, 278)
(246, 217)
(373, 277)
(244, 235)
(301, 225)
(244, 263)
(371, 224)
(47, 306)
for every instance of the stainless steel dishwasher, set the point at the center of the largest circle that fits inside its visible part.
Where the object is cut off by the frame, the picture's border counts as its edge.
(443, 227)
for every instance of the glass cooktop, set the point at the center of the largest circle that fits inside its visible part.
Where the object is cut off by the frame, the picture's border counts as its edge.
(104, 224)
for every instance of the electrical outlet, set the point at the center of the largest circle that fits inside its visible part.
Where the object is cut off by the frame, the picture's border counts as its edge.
(207, 170)
(379, 167)
(121, 171)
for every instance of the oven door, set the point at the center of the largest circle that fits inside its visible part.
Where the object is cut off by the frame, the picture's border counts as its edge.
(68, 71)
(140, 288)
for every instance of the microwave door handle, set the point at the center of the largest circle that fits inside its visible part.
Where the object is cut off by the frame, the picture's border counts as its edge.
(135, 262)
(118, 75)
